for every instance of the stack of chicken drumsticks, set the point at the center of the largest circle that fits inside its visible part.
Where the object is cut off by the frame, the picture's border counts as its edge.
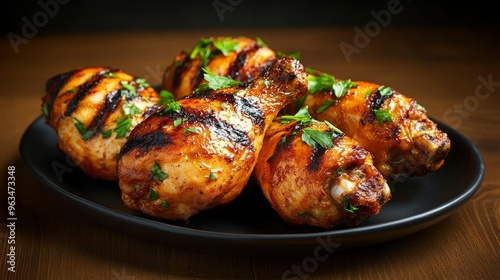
(321, 149)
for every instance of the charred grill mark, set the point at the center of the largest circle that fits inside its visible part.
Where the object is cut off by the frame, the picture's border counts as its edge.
(376, 100)
(110, 103)
(85, 89)
(146, 142)
(284, 144)
(55, 84)
(242, 105)
(315, 159)
(182, 66)
(239, 63)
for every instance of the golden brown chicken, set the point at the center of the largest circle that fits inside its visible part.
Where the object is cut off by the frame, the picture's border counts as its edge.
(312, 174)
(92, 111)
(238, 58)
(199, 152)
(392, 126)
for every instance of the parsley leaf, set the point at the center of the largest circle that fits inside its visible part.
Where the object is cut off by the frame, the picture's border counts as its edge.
(153, 194)
(45, 109)
(318, 83)
(340, 88)
(295, 55)
(158, 173)
(166, 97)
(191, 130)
(110, 75)
(106, 133)
(203, 48)
(122, 127)
(128, 90)
(348, 207)
(383, 90)
(173, 106)
(212, 176)
(84, 133)
(131, 110)
(323, 138)
(226, 45)
(141, 83)
(302, 116)
(216, 82)
(383, 116)
(177, 122)
(260, 42)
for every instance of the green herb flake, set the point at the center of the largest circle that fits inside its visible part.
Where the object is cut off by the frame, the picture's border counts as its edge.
(319, 83)
(283, 140)
(368, 92)
(325, 105)
(191, 130)
(223, 105)
(226, 45)
(340, 170)
(157, 173)
(71, 90)
(260, 42)
(212, 176)
(173, 106)
(301, 116)
(106, 133)
(216, 82)
(295, 55)
(348, 207)
(164, 204)
(384, 91)
(141, 82)
(45, 109)
(177, 122)
(131, 110)
(128, 90)
(203, 49)
(268, 83)
(323, 138)
(383, 116)
(122, 127)
(110, 75)
(153, 194)
(340, 88)
(84, 133)
(166, 97)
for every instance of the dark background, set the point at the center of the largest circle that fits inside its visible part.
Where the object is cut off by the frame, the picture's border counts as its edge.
(94, 15)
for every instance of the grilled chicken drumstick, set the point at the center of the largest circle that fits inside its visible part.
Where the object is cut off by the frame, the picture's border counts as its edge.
(199, 152)
(238, 58)
(92, 110)
(322, 182)
(392, 126)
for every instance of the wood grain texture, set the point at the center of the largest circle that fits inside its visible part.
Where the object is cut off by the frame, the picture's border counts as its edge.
(441, 68)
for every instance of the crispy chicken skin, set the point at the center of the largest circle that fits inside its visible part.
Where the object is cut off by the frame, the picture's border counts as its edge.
(206, 149)
(403, 140)
(244, 63)
(318, 186)
(86, 107)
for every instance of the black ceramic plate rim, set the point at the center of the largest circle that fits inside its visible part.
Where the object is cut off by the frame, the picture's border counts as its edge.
(434, 214)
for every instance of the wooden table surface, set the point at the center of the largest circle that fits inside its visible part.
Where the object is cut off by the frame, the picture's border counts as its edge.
(453, 72)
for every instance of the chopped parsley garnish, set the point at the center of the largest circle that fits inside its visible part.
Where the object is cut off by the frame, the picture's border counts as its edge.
(226, 45)
(325, 105)
(340, 88)
(295, 55)
(319, 83)
(153, 194)
(122, 127)
(166, 97)
(323, 138)
(260, 42)
(268, 83)
(223, 105)
(164, 204)
(157, 173)
(106, 133)
(84, 133)
(177, 122)
(71, 90)
(191, 130)
(128, 90)
(45, 109)
(383, 116)
(141, 83)
(283, 140)
(310, 135)
(348, 207)
(383, 90)
(110, 75)
(216, 82)
(203, 48)
(340, 170)
(131, 110)
(212, 176)
(173, 106)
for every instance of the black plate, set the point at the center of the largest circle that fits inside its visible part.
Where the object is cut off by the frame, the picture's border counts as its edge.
(248, 226)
